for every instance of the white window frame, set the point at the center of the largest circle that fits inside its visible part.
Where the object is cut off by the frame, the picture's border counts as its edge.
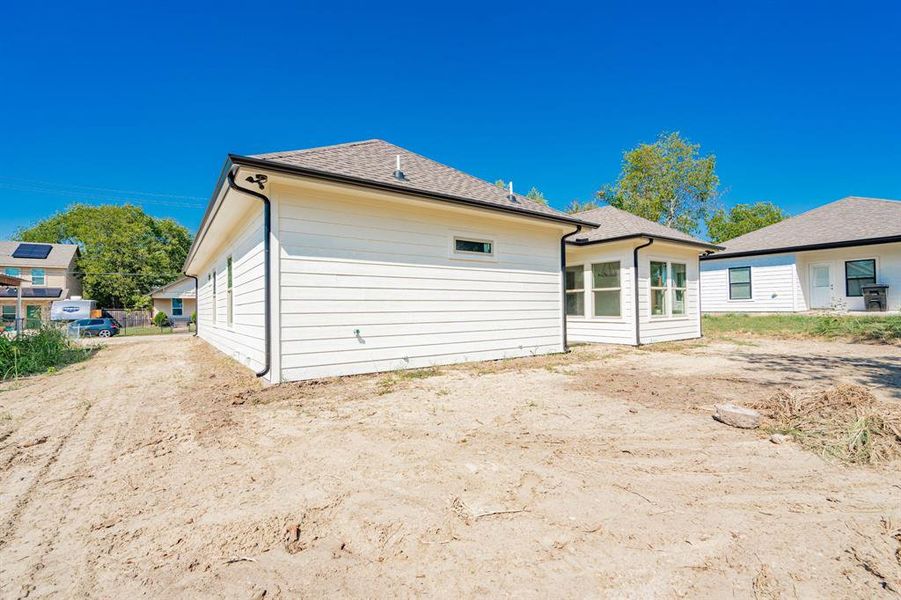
(466, 255)
(43, 277)
(230, 291)
(590, 271)
(13, 272)
(669, 290)
(674, 289)
(181, 307)
(212, 277)
(575, 291)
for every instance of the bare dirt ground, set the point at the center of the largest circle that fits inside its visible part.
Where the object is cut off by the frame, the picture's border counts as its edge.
(161, 469)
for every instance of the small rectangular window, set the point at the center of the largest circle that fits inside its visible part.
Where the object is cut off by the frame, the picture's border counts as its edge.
(658, 288)
(678, 279)
(606, 286)
(177, 307)
(38, 277)
(14, 271)
(859, 273)
(740, 283)
(229, 293)
(575, 291)
(9, 314)
(468, 246)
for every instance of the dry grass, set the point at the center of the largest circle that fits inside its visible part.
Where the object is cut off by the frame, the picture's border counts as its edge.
(845, 422)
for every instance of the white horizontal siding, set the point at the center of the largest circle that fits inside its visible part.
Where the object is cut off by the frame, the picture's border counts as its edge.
(244, 339)
(603, 330)
(888, 271)
(371, 285)
(676, 327)
(775, 285)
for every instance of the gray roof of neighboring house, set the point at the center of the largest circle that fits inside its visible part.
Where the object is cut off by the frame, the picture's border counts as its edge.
(373, 161)
(617, 224)
(846, 222)
(60, 256)
(179, 281)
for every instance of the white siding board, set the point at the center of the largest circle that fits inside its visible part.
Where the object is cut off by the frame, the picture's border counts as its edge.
(775, 286)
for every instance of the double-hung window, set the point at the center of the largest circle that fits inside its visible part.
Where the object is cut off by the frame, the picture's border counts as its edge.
(575, 291)
(38, 277)
(740, 283)
(859, 273)
(229, 292)
(669, 288)
(177, 307)
(606, 286)
(9, 315)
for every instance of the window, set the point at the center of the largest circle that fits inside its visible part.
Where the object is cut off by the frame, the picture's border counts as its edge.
(678, 280)
(740, 283)
(177, 307)
(38, 277)
(859, 273)
(575, 291)
(605, 285)
(14, 271)
(212, 277)
(658, 288)
(467, 246)
(9, 315)
(229, 294)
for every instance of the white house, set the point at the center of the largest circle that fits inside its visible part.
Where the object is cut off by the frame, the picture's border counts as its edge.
(177, 299)
(366, 257)
(604, 267)
(821, 259)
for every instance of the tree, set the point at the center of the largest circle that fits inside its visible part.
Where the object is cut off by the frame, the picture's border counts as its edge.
(124, 252)
(535, 195)
(577, 206)
(667, 181)
(742, 219)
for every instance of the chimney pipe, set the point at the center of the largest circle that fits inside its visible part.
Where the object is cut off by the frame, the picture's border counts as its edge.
(398, 174)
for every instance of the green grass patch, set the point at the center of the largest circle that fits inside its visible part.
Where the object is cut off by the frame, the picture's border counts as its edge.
(40, 352)
(152, 330)
(859, 328)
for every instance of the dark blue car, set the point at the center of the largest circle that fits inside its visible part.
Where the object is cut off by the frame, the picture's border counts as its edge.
(94, 327)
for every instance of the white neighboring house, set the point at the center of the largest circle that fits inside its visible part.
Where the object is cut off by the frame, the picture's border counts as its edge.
(601, 280)
(817, 260)
(177, 299)
(366, 257)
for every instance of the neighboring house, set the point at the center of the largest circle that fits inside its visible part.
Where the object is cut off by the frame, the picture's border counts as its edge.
(817, 260)
(366, 257)
(176, 299)
(48, 274)
(601, 303)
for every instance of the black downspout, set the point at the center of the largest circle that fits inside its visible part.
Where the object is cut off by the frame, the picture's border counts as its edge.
(267, 301)
(563, 274)
(635, 270)
(196, 303)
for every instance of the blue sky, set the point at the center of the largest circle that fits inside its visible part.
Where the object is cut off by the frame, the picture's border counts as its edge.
(801, 103)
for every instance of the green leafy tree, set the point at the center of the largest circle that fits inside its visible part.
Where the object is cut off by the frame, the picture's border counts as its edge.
(577, 206)
(535, 195)
(742, 219)
(124, 252)
(501, 184)
(667, 181)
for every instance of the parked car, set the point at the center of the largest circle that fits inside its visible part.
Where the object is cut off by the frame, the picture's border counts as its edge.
(94, 327)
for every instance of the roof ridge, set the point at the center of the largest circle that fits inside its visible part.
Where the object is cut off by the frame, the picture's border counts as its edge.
(318, 148)
(865, 198)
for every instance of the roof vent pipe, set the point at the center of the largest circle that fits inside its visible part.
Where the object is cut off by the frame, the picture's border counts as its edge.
(512, 196)
(398, 174)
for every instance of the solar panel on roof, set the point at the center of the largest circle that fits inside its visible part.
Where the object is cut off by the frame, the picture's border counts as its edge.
(39, 251)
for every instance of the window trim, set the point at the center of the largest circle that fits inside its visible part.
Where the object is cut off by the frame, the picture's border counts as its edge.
(18, 272)
(875, 274)
(750, 283)
(652, 288)
(674, 288)
(575, 291)
(455, 254)
(181, 307)
(212, 277)
(43, 282)
(593, 289)
(669, 290)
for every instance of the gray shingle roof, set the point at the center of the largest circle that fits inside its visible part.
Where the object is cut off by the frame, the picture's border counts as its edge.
(847, 220)
(618, 224)
(60, 256)
(374, 161)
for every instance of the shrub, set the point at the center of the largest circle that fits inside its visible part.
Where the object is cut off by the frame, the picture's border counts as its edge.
(38, 352)
(161, 319)
(194, 318)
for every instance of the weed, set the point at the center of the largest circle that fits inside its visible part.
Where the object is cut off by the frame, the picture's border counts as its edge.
(38, 352)
(858, 328)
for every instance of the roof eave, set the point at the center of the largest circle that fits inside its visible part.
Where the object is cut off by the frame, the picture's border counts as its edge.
(672, 240)
(824, 246)
(250, 161)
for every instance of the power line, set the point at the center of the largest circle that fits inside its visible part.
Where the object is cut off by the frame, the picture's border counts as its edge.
(72, 186)
(95, 196)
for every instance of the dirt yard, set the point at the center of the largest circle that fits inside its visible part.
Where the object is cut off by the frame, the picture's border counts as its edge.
(160, 469)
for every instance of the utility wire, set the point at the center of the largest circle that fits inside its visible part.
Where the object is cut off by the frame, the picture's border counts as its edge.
(67, 186)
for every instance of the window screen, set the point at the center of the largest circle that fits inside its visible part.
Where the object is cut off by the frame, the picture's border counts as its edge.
(740, 283)
(859, 273)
